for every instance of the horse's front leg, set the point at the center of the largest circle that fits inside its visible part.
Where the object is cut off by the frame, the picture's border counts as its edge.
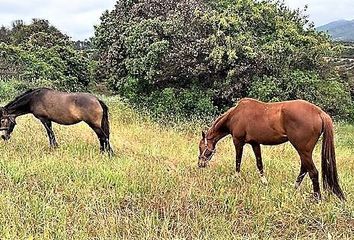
(239, 150)
(257, 152)
(48, 127)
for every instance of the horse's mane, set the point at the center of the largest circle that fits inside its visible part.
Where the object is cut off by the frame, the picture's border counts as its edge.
(220, 120)
(22, 99)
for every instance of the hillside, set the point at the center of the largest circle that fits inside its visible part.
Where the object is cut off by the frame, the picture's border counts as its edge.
(342, 30)
(152, 188)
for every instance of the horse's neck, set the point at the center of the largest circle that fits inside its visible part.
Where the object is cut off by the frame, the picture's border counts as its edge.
(17, 111)
(20, 107)
(219, 129)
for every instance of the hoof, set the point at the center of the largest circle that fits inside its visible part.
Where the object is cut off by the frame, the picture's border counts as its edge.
(317, 197)
(264, 180)
(238, 174)
(111, 154)
(296, 185)
(54, 146)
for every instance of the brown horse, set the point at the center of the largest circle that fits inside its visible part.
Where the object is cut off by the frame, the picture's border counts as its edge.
(299, 122)
(60, 107)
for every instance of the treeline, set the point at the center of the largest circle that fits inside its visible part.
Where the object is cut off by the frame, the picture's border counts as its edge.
(198, 57)
(188, 58)
(38, 54)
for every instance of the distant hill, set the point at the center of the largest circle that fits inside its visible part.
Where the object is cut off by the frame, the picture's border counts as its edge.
(342, 30)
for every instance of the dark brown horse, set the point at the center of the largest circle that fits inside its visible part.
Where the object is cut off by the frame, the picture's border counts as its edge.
(299, 122)
(60, 107)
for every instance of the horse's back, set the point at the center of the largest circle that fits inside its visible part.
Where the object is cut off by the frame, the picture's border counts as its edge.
(275, 123)
(67, 108)
(255, 121)
(301, 112)
(58, 100)
(294, 109)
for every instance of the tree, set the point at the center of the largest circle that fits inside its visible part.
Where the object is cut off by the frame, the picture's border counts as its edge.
(218, 50)
(4, 34)
(39, 32)
(40, 54)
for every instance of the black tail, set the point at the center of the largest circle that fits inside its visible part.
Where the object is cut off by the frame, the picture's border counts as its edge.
(105, 120)
(329, 168)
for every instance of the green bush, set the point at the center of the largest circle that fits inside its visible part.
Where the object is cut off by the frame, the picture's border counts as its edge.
(175, 104)
(59, 67)
(7, 90)
(171, 104)
(162, 50)
(43, 56)
(10, 89)
(330, 94)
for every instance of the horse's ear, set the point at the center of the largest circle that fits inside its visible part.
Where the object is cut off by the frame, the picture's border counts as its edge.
(203, 134)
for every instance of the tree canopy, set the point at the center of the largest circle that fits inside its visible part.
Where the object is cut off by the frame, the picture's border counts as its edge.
(39, 54)
(203, 55)
(185, 58)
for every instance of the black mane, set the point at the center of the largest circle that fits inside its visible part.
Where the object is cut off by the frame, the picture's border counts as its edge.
(22, 99)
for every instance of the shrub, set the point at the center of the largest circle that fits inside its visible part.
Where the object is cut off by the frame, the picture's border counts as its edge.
(156, 49)
(60, 67)
(40, 55)
(332, 95)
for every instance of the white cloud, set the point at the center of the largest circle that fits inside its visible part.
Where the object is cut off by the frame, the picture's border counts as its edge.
(74, 17)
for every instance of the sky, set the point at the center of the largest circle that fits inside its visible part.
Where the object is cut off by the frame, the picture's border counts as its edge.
(77, 17)
(73, 17)
(324, 11)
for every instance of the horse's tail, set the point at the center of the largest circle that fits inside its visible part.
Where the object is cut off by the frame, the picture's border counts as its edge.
(329, 168)
(105, 120)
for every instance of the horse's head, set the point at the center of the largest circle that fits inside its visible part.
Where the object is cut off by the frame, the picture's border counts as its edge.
(206, 151)
(7, 124)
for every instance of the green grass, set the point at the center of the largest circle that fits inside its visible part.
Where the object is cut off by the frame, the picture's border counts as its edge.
(153, 189)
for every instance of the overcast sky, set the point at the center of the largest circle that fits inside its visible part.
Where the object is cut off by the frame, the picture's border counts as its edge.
(325, 11)
(77, 17)
(74, 17)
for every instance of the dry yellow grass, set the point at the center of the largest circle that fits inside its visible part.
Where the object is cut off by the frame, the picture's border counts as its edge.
(153, 189)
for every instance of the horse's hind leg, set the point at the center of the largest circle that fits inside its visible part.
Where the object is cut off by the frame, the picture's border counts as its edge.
(101, 138)
(301, 176)
(48, 127)
(106, 144)
(257, 152)
(104, 140)
(308, 164)
(304, 142)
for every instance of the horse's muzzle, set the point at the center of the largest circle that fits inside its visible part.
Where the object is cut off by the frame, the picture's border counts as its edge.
(202, 163)
(5, 137)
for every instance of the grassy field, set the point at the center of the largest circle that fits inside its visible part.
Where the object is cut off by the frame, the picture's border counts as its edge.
(153, 189)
